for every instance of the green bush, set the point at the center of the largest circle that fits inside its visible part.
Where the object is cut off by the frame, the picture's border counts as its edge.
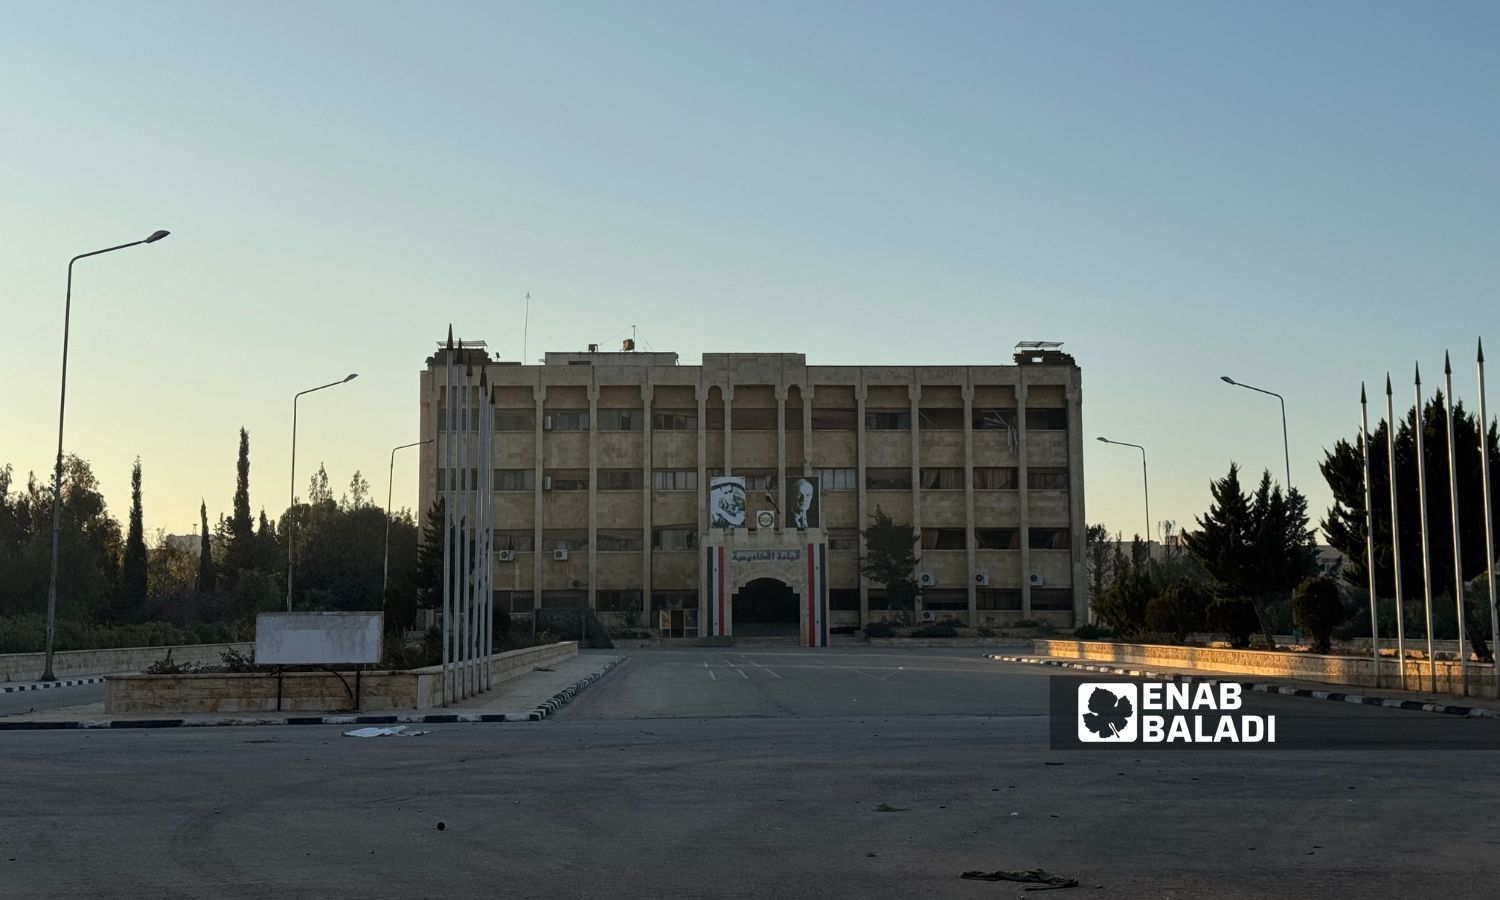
(879, 630)
(938, 630)
(1088, 632)
(28, 634)
(1175, 612)
(1317, 610)
(987, 632)
(1236, 618)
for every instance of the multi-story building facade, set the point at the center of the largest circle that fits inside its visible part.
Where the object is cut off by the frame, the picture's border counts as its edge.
(603, 463)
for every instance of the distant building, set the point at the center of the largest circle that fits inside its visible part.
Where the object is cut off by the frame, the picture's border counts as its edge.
(190, 544)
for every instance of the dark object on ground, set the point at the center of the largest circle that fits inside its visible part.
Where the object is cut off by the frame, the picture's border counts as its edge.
(886, 807)
(441, 826)
(1047, 880)
(879, 630)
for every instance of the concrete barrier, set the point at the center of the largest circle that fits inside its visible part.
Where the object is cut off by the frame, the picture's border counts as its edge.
(308, 691)
(1351, 670)
(28, 666)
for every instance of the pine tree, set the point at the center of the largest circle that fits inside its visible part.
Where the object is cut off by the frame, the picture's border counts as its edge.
(891, 559)
(133, 574)
(207, 577)
(1222, 545)
(429, 573)
(240, 554)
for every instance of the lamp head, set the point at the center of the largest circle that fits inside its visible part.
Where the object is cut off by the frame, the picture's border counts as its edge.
(1103, 440)
(351, 377)
(1226, 379)
(156, 236)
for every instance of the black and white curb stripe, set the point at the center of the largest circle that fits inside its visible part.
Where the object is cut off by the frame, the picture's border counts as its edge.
(1264, 687)
(561, 698)
(44, 685)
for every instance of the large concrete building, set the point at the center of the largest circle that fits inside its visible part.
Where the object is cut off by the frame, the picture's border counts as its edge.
(604, 463)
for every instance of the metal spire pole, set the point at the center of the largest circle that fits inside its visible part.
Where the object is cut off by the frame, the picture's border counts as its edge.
(1364, 446)
(1426, 541)
(1458, 546)
(1489, 524)
(1390, 436)
(447, 474)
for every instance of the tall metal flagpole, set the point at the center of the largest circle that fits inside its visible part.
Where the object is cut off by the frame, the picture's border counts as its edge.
(1364, 445)
(1390, 437)
(446, 474)
(1426, 542)
(1489, 525)
(1458, 545)
(464, 530)
(488, 501)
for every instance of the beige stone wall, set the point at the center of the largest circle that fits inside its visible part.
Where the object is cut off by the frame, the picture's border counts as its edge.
(66, 663)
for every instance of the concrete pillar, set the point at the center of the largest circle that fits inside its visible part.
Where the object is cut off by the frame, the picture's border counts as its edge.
(593, 391)
(702, 397)
(1078, 526)
(780, 491)
(859, 463)
(728, 394)
(1022, 504)
(969, 539)
(536, 538)
(913, 394)
(647, 395)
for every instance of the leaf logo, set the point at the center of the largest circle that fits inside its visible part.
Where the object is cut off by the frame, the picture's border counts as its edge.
(1107, 712)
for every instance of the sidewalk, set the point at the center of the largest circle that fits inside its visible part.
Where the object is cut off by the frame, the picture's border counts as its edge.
(530, 697)
(1394, 698)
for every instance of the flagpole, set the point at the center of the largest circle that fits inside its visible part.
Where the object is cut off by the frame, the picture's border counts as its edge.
(1426, 544)
(1390, 434)
(446, 474)
(1489, 527)
(1458, 547)
(1364, 446)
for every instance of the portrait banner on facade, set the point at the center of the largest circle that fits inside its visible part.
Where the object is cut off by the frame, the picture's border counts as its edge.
(803, 501)
(726, 502)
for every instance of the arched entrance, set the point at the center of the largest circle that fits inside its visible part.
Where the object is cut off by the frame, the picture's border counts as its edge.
(766, 607)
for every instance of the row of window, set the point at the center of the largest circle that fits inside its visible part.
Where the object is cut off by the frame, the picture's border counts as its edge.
(685, 537)
(996, 538)
(839, 599)
(765, 419)
(986, 478)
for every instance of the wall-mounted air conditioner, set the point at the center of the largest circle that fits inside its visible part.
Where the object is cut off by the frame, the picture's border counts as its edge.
(506, 555)
(1037, 580)
(929, 615)
(981, 579)
(927, 579)
(546, 482)
(560, 554)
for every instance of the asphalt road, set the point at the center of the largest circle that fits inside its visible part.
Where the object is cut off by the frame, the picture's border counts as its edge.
(22, 702)
(748, 774)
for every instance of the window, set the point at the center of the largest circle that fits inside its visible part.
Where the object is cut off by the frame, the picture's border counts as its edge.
(453, 476)
(887, 479)
(617, 601)
(943, 479)
(997, 539)
(567, 480)
(621, 419)
(564, 599)
(564, 540)
(1049, 538)
(843, 539)
(674, 600)
(1047, 420)
(674, 537)
(456, 424)
(992, 478)
(990, 418)
(1047, 479)
(838, 479)
(616, 541)
(674, 479)
(1052, 599)
(843, 598)
(566, 420)
(758, 479)
(879, 600)
(944, 539)
(515, 541)
(515, 420)
(888, 419)
(620, 480)
(939, 419)
(825, 419)
(674, 420)
(752, 419)
(998, 599)
(794, 417)
(515, 479)
(945, 599)
(520, 601)
(713, 417)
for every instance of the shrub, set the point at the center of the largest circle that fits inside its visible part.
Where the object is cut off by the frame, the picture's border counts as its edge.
(1088, 632)
(879, 630)
(937, 630)
(1317, 609)
(1235, 616)
(165, 666)
(987, 632)
(235, 661)
(1176, 611)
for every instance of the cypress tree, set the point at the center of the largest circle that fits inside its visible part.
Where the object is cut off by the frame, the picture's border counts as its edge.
(240, 553)
(207, 577)
(133, 576)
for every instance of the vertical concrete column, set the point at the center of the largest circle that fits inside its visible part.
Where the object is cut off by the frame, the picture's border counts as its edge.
(702, 397)
(780, 491)
(969, 540)
(859, 473)
(807, 454)
(593, 490)
(1078, 526)
(536, 489)
(647, 495)
(1023, 505)
(913, 394)
(728, 392)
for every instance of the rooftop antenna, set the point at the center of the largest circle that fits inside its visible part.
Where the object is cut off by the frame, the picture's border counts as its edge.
(526, 328)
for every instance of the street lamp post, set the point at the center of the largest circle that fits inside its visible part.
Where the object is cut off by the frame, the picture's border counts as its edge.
(1285, 447)
(385, 572)
(293, 502)
(57, 472)
(1145, 482)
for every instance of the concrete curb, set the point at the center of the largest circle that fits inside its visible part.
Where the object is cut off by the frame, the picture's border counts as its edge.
(561, 698)
(1264, 687)
(44, 685)
(556, 702)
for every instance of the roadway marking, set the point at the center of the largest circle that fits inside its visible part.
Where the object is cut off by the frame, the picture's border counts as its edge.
(769, 670)
(737, 669)
(710, 671)
(893, 674)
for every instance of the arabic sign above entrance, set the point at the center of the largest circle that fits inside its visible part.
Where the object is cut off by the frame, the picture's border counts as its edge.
(765, 555)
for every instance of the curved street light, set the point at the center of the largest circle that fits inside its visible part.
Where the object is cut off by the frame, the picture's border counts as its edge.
(1285, 447)
(385, 572)
(57, 472)
(1145, 482)
(293, 502)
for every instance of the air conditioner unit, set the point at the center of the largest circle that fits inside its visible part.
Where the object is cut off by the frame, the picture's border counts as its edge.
(981, 579)
(560, 554)
(506, 555)
(546, 423)
(546, 482)
(1037, 580)
(929, 615)
(927, 579)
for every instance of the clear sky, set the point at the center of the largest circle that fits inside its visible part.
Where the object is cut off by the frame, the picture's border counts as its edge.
(1298, 195)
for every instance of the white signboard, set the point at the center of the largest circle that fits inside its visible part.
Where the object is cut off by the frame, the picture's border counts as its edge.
(318, 638)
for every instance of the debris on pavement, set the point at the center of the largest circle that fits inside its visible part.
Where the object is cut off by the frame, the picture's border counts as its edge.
(388, 731)
(886, 807)
(1045, 880)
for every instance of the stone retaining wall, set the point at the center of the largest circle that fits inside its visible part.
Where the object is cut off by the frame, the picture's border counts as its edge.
(1352, 670)
(28, 666)
(308, 691)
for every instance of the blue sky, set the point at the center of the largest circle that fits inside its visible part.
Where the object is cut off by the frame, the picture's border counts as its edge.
(1300, 196)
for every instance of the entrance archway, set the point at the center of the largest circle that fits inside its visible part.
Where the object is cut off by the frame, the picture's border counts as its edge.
(765, 606)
